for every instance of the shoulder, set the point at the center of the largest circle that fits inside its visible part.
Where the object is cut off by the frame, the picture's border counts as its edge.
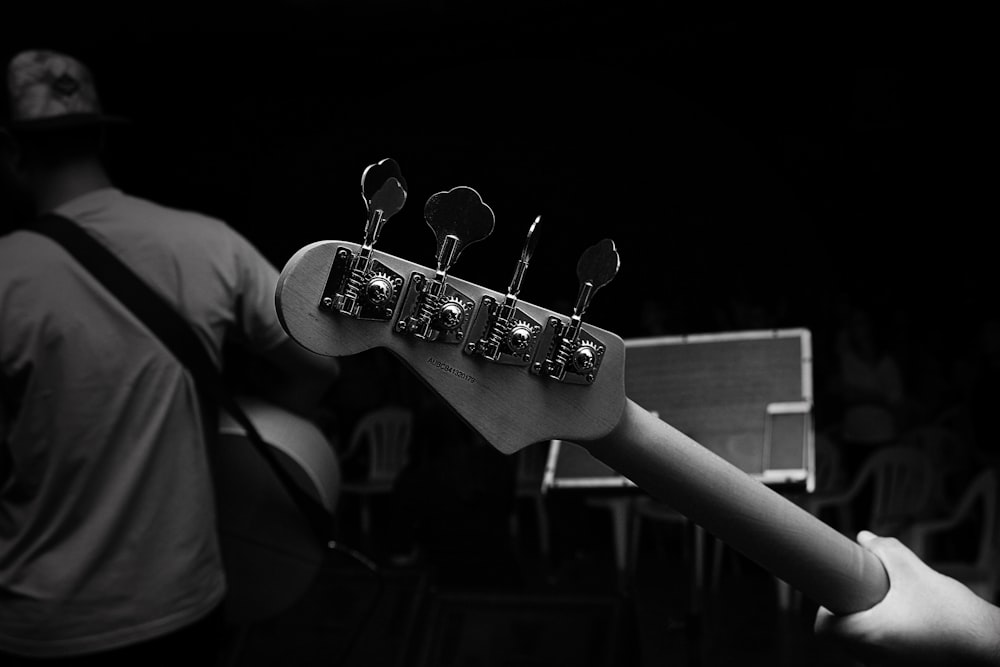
(30, 264)
(25, 252)
(139, 208)
(187, 230)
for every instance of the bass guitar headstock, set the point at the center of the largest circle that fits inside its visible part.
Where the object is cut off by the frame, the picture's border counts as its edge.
(516, 372)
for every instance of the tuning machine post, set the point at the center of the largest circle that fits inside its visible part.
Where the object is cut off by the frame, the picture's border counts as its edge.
(566, 351)
(502, 332)
(359, 285)
(432, 309)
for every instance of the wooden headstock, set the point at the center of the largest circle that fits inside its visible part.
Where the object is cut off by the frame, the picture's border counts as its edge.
(508, 405)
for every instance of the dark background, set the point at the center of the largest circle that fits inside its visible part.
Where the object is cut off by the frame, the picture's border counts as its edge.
(754, 172)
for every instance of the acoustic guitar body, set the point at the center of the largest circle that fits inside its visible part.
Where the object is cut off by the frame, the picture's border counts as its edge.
(271, 553)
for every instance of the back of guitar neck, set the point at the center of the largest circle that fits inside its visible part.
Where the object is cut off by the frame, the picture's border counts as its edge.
(783, 538)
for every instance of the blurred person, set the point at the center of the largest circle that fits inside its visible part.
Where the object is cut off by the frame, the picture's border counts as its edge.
(867, 383)
(109, 551)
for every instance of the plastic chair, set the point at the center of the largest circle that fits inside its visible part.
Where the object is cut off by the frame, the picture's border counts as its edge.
(383, 437)
(982, 572)
(901, 481)
(950, 456)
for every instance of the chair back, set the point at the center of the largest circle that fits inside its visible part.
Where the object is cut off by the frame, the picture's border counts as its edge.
(902, 483)
(951, 457)
(383, 435)
(829, 465)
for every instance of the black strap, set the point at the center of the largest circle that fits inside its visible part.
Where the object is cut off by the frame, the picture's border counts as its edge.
(178, 336)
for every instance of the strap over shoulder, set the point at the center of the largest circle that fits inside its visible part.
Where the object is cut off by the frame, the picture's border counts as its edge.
(176, 334)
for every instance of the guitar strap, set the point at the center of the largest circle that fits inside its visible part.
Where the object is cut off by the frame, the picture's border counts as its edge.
(178, 336)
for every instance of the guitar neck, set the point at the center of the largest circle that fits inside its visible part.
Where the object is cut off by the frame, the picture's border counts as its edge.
(779, 535)
(511, 406)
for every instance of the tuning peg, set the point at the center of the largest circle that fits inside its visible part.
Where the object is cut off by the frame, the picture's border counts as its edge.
(522, 264)
(359, 285)
(502, 332)
(376, 175)
(459, 218)
(531, 241)
(565, 351)
(432, 309)
(383, 189)
(597, 266)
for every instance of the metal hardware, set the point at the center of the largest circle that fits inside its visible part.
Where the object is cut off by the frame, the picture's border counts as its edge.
(359, 285)
(432, 309)
(502, 332)
(566, 351)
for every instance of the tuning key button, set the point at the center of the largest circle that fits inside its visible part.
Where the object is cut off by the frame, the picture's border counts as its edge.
(432, 309)
(459, 218)
(383, 190)
(359, 285)
(568, 353)
(598, 264)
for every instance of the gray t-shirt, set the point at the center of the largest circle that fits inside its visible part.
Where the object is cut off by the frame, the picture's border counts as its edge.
(107, 521)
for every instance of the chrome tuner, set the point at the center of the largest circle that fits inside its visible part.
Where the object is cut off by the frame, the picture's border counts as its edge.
(432, 309)
(359, 285)
(566, 351)
(502, 332)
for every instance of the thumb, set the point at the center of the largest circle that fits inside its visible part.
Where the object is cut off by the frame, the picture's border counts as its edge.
(895, 556)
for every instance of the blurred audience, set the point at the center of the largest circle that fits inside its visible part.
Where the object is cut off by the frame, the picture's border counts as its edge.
(868, 382)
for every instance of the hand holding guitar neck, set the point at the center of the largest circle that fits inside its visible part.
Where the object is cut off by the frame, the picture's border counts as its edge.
(520, 374)
(927, 618)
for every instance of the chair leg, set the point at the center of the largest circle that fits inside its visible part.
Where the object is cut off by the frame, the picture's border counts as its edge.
(698, 584)
(718, 547)
(619, 519)
(543, 526)
(635, 532)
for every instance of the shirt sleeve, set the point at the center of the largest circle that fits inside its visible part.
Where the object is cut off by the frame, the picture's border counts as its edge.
(256, 314)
